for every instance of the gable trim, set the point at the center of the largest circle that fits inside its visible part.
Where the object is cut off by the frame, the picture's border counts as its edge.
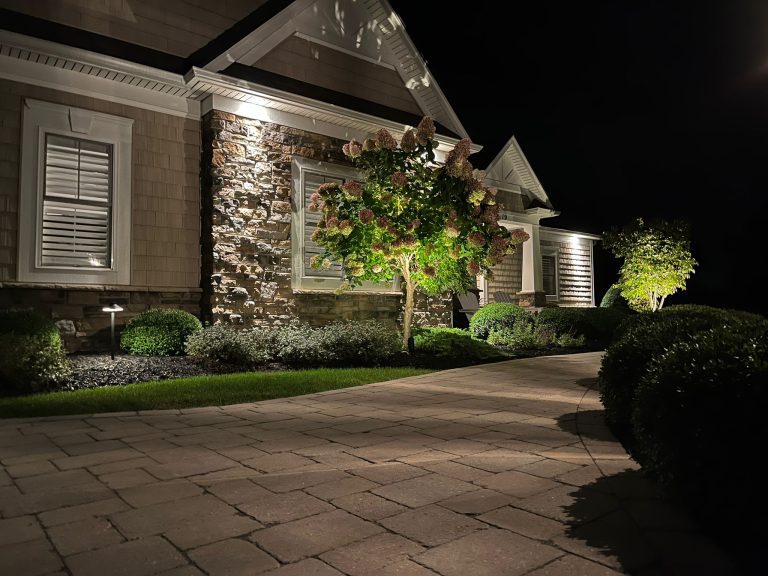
(514, 153)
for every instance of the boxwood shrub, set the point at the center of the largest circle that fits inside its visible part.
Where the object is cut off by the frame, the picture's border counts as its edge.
(594, 324)
(452, 343)
(159, 332)
(225, 344)
(496, 315)
(32, 357)
(646, 337)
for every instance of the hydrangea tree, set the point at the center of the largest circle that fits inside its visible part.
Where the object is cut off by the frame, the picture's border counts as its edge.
(657, 261)
(434, 226)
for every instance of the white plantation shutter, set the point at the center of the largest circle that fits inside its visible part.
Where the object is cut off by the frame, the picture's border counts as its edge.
(312, 181)
(77, 203)
(549, 274)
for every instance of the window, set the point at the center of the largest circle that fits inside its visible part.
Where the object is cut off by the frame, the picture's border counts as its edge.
(307, 177)
(549, 275)
(75, 196)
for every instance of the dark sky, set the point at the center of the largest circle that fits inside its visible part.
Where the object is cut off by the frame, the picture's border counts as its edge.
(624, 109)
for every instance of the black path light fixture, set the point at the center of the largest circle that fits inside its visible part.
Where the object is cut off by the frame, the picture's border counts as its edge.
(112, 309)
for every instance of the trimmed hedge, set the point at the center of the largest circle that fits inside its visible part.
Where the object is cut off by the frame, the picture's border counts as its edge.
(159, 332)
(496, 315)
(366, 343)
(594, 324)
(646, 337)
(452, 343)
(614, 299)
(32, 357)
(698, 413)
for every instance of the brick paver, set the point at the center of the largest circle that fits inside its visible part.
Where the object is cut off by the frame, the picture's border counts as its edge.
(501, 469)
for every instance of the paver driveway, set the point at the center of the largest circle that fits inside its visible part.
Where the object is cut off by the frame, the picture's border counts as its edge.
(495, 470)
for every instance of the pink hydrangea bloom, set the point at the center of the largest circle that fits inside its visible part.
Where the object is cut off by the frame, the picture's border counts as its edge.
(376, 268)
(473, 268)
(451, 230)
(476, 239)
(369, 144)
(332, 222)
(353, 149)
(345, 227)
(409, 240)
(462, 148)
(399, 179)
(353, 188)
(385, 140)
(408, 141)
(519, 236)
(429, 271)
(366, 215)
(327, 188)
(382, 221)
(425, 131)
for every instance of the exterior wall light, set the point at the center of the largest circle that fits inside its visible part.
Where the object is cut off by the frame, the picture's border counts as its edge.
(112, 309)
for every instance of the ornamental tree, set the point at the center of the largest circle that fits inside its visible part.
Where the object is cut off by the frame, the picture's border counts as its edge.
(657, 261)
(435, 227)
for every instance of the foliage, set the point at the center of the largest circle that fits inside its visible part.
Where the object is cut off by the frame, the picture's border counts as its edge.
(497, 315)
(198, 391)
(657, 261)
(700, 405)
(614, 299)
(435, 226)
(521, 336)
(337, 344)
(646, 337)
(32, 357)
(159, 332)
(453, 343)
(222, 343)
(570, 341)
(593, 324)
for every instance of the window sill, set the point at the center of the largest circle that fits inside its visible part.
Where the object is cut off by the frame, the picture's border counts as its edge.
(97, 287)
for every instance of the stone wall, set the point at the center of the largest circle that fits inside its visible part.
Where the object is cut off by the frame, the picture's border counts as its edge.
(78, 312)
(246, 235)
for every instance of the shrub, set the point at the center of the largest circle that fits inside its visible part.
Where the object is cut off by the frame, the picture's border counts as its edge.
(452, 343)
(521, 336)
(646, 337)
(159, 332)
(222, 343)
(570, 341)
(31, 355)
(698, 416)
(614, 299)
(594, 324)
(496, 315)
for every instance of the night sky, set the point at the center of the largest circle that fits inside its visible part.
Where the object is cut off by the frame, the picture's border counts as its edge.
(624, 109)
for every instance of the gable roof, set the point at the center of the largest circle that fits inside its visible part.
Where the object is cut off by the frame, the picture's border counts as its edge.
(366, 29)
(510, 170)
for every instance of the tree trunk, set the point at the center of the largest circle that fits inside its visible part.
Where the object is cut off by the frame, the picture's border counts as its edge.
(410, 289)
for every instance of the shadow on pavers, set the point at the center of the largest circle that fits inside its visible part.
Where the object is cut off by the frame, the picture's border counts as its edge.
(644, 534)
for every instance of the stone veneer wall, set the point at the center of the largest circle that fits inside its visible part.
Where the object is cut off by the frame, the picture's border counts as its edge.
(246, 228)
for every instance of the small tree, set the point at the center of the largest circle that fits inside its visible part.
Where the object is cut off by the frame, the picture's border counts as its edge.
(435, 226)
(657, 261)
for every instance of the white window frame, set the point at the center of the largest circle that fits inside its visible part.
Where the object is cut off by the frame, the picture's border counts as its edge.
(41, 118)
(302, 280)
(554, 252)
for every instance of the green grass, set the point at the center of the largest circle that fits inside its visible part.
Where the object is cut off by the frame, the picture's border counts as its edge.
(217, 390)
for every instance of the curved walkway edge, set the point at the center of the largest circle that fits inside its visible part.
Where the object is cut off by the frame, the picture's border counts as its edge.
(493, 470)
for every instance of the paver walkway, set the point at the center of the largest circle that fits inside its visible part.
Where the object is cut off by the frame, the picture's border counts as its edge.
(502, 469)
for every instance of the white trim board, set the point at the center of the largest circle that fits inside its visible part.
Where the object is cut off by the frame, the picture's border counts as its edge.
(509, 162)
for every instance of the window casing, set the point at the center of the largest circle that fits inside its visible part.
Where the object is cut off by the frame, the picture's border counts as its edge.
(307, 176)
(75, 196)
(549, 275)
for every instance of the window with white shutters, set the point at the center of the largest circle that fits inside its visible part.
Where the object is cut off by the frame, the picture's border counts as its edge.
(77, 203)
(312, 180)
(549, 274)
(75, 196)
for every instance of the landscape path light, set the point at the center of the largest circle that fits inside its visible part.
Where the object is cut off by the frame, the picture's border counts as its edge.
(112, 308)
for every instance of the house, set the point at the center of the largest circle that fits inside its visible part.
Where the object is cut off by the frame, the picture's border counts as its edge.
(161, 154)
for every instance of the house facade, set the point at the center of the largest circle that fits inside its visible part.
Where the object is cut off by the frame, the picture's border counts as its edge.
(161, 154)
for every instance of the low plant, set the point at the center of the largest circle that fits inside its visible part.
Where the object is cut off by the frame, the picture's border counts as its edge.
(452, 343)
(594, 324)
(32, 357)
(568, 340)
(522, 336)
(495, 316)
(228, 345)
(159, 332)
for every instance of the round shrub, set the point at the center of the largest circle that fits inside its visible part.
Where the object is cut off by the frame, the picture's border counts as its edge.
(228, 345)
(594, 324)
(614, 299)
(496, 315)
(159, 332)
(31, 354)
(521, 336)
(698, 415)
(648, 336)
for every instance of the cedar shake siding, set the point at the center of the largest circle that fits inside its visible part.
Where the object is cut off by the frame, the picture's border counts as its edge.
(574, 268)
(165, 219)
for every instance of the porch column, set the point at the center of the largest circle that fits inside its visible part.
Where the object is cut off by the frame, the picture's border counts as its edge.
(482, 285)
(532, 292)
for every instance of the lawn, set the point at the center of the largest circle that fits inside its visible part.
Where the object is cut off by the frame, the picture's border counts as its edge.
(217, 390)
